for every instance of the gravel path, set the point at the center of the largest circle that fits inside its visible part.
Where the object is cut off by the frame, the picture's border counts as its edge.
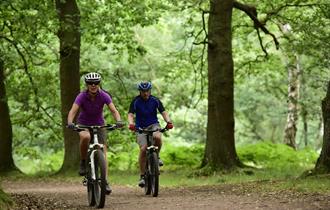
(72, 195)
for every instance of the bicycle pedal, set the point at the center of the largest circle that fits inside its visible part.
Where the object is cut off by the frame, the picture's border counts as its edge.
(84, 182)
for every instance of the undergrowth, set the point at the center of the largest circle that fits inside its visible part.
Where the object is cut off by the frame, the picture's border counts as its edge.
(5, 200)
(268, 162)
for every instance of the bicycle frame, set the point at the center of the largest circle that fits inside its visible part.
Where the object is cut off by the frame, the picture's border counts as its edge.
(95, 178)
(152, 170)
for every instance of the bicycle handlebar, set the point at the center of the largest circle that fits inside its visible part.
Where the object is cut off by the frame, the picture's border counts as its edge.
(146, 131)
(91, 127)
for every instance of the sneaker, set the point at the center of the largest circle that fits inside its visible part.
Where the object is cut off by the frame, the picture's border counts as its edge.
(82, 168)
(141, 182)
(160, 162)
(108, 189)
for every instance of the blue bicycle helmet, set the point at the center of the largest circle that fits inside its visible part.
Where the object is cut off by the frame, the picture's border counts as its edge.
(144, 86)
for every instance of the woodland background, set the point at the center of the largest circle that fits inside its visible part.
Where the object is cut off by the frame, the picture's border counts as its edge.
(277, 87)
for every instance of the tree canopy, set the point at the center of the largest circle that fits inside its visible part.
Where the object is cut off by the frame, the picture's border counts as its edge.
(166, 42)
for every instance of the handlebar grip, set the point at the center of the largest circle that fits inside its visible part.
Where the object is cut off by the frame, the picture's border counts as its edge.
(163, 130)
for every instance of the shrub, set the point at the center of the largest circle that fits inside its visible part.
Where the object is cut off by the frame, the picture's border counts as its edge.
(276, 156)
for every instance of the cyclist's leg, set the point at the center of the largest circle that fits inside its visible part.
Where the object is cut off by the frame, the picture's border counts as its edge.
(158, 139)
(84, 141)
(157, 136)
(142, 141)
(102, 137)
(106, 160)
(158, 142)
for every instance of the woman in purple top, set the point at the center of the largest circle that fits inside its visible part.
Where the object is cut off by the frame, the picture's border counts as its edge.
(90, 103)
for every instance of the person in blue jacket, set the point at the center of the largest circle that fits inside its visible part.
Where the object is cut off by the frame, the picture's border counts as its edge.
(143, 114)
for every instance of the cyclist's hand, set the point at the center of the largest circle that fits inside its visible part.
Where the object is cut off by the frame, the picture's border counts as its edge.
(169, 125)
(131, 127)
(120, 124)
(71, 125)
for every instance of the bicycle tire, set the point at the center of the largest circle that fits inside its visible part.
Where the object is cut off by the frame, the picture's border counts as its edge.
(90, 193)
(147, 186)
(100, 182)
(90, 186)
(154, 176)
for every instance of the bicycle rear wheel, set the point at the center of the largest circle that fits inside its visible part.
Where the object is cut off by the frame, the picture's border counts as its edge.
(100, 182)
(154, 176)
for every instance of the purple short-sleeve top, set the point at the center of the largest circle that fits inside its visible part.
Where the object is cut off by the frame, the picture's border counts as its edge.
(91, 110)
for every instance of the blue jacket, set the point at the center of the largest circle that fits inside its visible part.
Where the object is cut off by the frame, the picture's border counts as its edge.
(145, 111)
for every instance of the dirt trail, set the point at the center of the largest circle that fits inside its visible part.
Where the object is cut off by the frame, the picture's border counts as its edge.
(72, 195)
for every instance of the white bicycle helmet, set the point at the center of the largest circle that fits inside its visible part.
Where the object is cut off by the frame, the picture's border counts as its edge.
(92, 77)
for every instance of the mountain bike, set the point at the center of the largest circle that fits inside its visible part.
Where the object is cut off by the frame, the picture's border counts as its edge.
(95, 178)
(151, 174)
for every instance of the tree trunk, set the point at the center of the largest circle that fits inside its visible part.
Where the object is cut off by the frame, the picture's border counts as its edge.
(220, 150)
(69, 36)
(6, 133)
(303, 107)
(323, 162)
(293, 97)
(319, 134)
(304, 119)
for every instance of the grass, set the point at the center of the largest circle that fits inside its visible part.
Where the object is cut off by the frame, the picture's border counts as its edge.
(264, 178)
(5, 200)
(314, 184)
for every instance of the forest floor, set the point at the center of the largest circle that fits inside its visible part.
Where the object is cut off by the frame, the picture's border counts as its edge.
(53, 194)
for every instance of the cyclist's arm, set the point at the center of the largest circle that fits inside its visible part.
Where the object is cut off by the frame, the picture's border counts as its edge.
(131, 111)
(72, 113)
(130, 118)
(114, 112)
(165, 116)
(162, 111)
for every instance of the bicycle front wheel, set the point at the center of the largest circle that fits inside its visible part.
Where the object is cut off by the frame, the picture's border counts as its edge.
(154, 176)
(90, 193)
(89, 185)
(100, 181)
(147, 186)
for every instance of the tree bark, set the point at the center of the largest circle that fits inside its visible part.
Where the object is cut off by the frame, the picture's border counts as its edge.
(220, 150)
(290, 130)
(69, 36)
(303, 108)
(305, 123)
(323, 162)
(6, 133)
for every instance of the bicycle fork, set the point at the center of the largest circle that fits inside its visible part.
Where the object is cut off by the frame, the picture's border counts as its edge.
(91, 152)
(91, 175)
(92, 165)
